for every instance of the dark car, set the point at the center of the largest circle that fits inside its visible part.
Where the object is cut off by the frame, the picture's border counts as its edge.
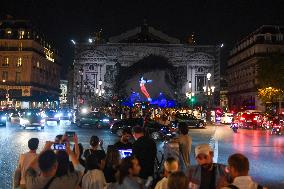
(152, 128)
(95, 119)
(3, 118)
(51, 115)
(32, 119)
(189, 119)
(65, 114)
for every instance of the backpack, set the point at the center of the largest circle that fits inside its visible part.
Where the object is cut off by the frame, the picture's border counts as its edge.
(235, 187)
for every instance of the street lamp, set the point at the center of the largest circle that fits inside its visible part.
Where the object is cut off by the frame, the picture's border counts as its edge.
(7, 92)
(208, 89)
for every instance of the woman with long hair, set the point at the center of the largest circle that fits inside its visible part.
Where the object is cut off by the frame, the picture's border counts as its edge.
(112, 163)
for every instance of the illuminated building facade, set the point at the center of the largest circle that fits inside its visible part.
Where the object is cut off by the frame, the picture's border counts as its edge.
(63, 93)
(242, 65)
(29, 67)
(97, 62)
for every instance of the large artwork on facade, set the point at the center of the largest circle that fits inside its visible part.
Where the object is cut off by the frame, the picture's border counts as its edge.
(144, 52)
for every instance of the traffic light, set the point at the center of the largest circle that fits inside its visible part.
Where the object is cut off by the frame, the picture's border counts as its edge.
(192, 99)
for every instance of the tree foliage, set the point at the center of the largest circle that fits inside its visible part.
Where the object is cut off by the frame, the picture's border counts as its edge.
(270, 72)
(270, 76)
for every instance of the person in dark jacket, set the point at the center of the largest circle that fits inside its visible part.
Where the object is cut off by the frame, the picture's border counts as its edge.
(145, 150)
(124, 143)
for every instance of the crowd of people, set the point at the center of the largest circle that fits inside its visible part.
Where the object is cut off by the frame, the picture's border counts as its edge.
(70, 166)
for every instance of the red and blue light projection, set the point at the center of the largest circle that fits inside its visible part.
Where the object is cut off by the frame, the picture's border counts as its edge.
(135, 97)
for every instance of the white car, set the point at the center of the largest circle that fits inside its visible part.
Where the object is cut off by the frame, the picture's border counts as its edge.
(226, 118)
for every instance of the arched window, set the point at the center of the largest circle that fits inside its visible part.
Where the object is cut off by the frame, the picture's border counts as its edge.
(91, 67)
(200, 69)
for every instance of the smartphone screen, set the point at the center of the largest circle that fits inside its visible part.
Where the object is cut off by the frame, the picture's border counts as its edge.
(58, 146)
(70, 135)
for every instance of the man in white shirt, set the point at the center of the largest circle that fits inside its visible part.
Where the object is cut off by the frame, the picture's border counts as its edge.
(170, 166)
(238, 167)
(26, 158)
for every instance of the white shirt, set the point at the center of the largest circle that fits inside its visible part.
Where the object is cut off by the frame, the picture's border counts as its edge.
(24, 161)
(244, 182)
(162, 184)
(94, 179)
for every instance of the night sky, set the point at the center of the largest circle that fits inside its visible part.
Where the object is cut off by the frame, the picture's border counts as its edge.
(213, 21)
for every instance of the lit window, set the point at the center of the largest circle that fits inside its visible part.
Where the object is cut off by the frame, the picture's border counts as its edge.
(37, 64)
(21, 34)
(20, 46)
(19, 63)
(6, 61)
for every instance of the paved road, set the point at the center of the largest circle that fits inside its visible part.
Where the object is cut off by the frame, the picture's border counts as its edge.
(265, 152)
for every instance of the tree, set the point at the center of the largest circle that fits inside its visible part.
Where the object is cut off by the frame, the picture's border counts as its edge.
(270, 77)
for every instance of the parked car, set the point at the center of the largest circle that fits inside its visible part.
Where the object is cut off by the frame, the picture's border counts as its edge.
(93, 119)
(226, 118)
(32, 119)
(152, 128)
(3, 118)
(189, 119)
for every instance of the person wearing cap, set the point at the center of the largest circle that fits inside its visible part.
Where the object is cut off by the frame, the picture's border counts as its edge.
(206, 175)
(24, 161)
(238, 167)
(170, 166)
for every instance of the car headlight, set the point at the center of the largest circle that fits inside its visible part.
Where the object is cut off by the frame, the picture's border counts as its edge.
(24, 121)
(69, 114)
(105, 120)
(3, 118)
(58, 115)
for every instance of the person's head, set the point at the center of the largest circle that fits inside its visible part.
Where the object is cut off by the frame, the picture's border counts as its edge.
(112, 156)
(137, 132)
(238, 165)
(33, 144)
(170, 166)
(129, 166)
(126, 135)
(94, 141)
(178, 180)
(58, 139)
(183, 128)
(204, 154)
(96, 160)
(47, 163)
(63, 163)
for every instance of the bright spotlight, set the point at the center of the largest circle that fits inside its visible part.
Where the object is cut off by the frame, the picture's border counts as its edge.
(222, 45)
(90, 40)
